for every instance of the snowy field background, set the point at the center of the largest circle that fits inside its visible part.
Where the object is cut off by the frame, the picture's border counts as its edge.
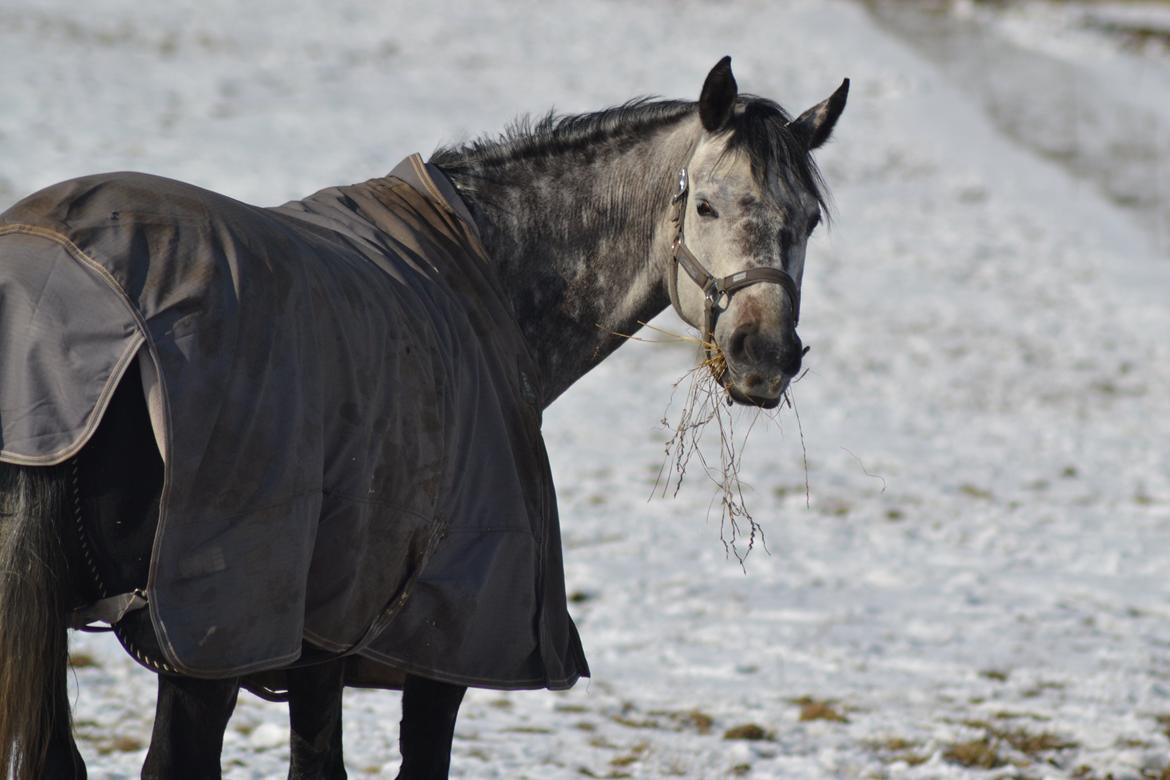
(976, 584)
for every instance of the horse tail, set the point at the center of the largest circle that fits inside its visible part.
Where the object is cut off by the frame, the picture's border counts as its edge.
(34, 647)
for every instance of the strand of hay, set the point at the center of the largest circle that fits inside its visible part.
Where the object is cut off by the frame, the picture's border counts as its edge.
(706, 401)
(790, 402)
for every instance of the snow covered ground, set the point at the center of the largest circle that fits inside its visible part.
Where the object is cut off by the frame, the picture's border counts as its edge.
(976, 585)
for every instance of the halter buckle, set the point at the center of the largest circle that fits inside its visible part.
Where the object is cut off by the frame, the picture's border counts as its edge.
(681, 192)
(717, 297)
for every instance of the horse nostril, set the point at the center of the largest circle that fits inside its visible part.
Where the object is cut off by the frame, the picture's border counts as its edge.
(796, 355)
(738, 346)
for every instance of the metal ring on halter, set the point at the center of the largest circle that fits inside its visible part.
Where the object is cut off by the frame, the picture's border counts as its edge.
(682, 187)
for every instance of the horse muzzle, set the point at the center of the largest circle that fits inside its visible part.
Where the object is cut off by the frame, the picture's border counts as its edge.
(760, 368)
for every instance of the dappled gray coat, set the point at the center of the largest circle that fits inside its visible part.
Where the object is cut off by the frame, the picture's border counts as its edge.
(348, 415)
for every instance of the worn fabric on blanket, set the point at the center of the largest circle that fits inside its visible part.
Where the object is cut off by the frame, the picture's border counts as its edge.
(347, 413)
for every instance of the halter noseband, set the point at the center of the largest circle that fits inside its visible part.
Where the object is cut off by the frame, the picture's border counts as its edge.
(716, 291)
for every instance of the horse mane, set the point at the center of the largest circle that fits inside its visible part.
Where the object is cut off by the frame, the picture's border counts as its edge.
(758, 128)
(554, 133)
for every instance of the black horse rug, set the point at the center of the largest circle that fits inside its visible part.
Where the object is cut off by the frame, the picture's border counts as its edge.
(348, 418)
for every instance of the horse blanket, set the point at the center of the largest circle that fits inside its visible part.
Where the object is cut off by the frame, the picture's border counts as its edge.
(348, 416)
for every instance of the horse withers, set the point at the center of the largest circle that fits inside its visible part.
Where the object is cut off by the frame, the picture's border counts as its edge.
(296, 448)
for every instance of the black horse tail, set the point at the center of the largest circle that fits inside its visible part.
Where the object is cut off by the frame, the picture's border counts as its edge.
(34, 648)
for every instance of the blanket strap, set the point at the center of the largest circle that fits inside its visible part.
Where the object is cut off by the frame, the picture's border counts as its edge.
(108, 610)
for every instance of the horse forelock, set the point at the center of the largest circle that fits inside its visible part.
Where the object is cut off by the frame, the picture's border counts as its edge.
(759, 129)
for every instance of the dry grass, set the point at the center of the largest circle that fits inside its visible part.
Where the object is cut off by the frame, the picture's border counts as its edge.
(706, 402)
(948, 3)
(1041, 688)
(632, 757)
(820, 709)
(1133, 34)
(587, 772)
(687, 720)
(79, 659)
(999, 745)
(1016, 715)
(899, 750)
(120, 744)
(529, 730)
(1034, 744)
(974, 754)
(752, 732)
(703, 405)
(635, 723)
(1085, 772)
(570, 707)
(974, 491)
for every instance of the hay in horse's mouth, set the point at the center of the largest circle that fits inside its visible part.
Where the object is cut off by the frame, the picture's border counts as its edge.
(708, 400)
(748, 400)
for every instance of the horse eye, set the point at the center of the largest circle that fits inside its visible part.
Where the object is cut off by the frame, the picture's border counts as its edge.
(812, 223)
(705, 210)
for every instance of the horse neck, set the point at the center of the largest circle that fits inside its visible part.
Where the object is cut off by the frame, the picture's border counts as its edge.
(581, 240)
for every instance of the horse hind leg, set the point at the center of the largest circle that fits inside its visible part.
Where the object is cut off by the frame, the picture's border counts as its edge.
(189, 721)
(429, 709)
(314, 711)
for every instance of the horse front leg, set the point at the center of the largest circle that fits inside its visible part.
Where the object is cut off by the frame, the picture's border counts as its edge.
(189, 720)
(314, 713)
(429, 709)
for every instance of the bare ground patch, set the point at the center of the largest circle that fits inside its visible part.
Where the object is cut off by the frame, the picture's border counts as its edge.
(80, 659)
(752, 732)
(812, 708)
(1002, 745)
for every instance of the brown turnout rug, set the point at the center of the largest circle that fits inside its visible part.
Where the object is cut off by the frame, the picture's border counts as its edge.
(347, 414)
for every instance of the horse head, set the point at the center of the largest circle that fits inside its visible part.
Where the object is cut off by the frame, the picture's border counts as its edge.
(746, 203)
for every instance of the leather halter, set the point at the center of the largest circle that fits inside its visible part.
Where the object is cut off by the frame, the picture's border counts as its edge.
(717, 291)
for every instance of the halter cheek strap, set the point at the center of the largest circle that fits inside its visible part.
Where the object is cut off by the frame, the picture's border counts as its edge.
(717, 291)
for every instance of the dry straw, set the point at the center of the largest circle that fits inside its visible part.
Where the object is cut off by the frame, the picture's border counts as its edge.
(706, 403)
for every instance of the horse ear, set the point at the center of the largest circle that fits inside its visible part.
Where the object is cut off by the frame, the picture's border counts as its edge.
(717, 100)
(815, 125)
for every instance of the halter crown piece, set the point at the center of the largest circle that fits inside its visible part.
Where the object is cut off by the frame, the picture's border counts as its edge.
(716, 291)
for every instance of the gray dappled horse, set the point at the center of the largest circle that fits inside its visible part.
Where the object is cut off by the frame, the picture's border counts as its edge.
(587, 221)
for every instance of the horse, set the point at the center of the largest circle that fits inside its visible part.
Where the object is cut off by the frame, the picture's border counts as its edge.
(579, 227)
